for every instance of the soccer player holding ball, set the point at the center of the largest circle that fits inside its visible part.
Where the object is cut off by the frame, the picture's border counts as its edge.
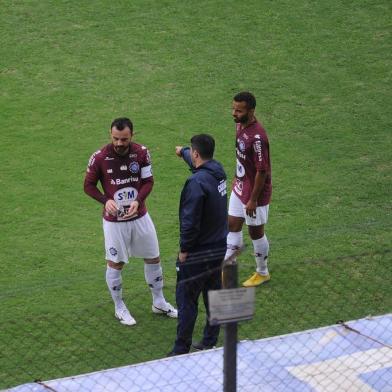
(124, 170)
(252, 186)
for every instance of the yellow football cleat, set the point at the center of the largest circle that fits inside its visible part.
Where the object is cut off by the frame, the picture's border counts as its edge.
(256, 280)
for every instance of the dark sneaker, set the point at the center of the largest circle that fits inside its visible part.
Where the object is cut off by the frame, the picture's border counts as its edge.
(201, 346)
(173, 354)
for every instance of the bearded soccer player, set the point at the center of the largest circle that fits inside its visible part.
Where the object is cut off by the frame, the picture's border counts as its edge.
(124, 170)
(252, 187)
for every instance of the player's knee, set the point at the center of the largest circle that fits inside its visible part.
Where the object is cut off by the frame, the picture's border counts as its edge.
(235, 223)
(256, 232)
(116, 266)
(155, 260)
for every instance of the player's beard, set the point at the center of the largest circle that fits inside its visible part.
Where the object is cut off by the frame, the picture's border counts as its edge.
(121, 150)
(242, 120)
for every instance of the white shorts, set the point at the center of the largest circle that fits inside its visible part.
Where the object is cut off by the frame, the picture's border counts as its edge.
(237, 209)
(136, 238)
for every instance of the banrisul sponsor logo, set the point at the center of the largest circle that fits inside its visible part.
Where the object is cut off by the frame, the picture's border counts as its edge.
(257, 148)
(122, 181)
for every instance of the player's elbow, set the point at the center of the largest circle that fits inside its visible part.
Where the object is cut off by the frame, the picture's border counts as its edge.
(149, 180)
(87, 188)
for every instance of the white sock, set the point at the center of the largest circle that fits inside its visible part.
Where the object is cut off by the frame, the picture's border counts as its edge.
(234, 242)
(154, 279)
(261, 248)
(114, 282)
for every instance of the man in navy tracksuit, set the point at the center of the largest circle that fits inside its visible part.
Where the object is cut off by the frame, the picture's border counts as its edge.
(203, 231)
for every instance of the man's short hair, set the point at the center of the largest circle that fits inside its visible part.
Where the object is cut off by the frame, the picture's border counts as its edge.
(122, 123)
(246, 97)
(204, 144)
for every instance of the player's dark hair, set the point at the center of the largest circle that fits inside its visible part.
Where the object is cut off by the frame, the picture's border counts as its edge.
(122, 123)
(246, 97)
(204, 144)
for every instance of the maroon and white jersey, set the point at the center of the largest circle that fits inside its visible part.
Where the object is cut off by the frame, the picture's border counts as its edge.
(123, 178)
(252, 151)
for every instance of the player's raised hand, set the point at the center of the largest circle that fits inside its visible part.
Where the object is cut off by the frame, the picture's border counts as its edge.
(178, 151)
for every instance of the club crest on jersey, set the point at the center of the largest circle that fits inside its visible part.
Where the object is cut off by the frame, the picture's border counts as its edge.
(134, 167)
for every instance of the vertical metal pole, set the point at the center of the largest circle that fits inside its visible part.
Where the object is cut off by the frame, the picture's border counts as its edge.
(230, 281)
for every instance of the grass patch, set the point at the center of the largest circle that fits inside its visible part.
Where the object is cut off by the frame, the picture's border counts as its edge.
(321, 75)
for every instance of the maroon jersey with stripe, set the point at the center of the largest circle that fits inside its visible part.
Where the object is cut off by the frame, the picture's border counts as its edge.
(123, 178)
(252, 151)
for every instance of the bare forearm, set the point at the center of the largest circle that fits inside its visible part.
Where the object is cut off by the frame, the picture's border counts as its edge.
(258, 185)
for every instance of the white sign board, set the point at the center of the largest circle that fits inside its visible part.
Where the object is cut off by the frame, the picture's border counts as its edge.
(231, 305)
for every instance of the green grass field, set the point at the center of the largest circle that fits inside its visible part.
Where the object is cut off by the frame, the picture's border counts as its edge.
(321, 72)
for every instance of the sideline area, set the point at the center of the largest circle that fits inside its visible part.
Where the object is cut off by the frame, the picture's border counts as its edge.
(356, 356)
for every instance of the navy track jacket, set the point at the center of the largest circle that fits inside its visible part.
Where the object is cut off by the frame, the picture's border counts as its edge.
(203, 207)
